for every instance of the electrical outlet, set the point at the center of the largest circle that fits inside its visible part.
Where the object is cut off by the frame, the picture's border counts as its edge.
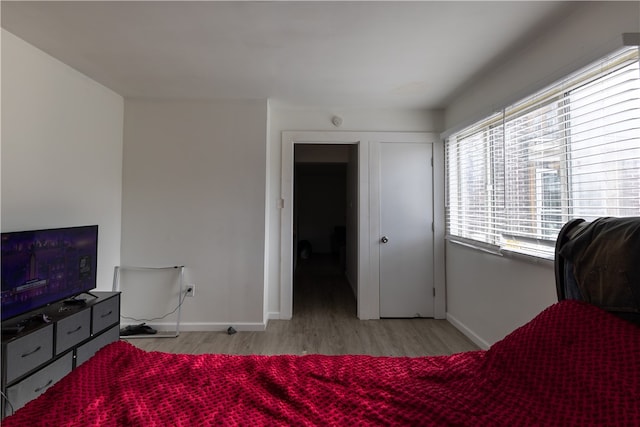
(191, 290)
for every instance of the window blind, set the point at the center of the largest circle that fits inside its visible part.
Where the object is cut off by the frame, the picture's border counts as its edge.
(570, 150)
(473, 209)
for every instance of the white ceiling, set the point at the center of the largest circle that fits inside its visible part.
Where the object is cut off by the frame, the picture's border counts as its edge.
(334, 54)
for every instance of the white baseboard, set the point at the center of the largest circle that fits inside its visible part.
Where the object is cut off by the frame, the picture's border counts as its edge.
(468, 332)
(276, 315)
(204, 326)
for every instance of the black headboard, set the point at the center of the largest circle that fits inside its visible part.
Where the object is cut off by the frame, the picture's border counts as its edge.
(599, 262)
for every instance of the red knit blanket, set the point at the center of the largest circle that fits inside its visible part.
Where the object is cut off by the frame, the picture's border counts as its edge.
(572, 365)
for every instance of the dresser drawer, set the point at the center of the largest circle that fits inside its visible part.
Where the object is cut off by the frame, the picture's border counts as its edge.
(105, 314)
(34, 385)
(72, 330)
(29, 352)
(85, 351)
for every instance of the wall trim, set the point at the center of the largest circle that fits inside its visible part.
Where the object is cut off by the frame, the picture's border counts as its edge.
(477, 340)
(275, 315)
(208, 326)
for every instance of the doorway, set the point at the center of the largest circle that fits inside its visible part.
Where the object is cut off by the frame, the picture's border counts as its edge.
(366, 251)
(324, 220)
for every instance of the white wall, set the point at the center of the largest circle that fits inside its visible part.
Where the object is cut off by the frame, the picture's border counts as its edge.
(312, 119)
(194, 195)
(488, 296)
(61, 150)
(591, 31)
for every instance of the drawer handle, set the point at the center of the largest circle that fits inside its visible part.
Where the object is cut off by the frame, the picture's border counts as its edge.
(106, 314)
(39, 389)
(75, 330)
(31, 352)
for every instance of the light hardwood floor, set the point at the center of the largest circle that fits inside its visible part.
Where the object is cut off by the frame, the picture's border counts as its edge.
(324, 322)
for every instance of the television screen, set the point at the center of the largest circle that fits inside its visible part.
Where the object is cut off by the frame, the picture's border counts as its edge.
(43, 266)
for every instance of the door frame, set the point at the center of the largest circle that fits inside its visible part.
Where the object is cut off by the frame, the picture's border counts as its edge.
(368, 208)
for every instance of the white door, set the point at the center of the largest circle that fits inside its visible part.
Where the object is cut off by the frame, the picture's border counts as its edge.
(406, 238)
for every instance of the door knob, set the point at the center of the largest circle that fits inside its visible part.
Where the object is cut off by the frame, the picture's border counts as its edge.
(384, 239)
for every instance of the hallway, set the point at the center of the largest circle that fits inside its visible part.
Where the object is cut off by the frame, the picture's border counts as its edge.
(321, 289)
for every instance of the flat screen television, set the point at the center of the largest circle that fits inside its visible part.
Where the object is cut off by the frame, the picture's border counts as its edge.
(40, 267)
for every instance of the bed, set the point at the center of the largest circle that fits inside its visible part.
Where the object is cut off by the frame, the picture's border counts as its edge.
(573, 364)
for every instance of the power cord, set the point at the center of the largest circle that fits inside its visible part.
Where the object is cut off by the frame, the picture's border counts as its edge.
(4, 396)
(184, 295)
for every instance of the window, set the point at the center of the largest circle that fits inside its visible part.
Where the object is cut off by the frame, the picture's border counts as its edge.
(571, 150)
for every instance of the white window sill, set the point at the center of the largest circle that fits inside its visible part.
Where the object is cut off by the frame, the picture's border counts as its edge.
(497, 251)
